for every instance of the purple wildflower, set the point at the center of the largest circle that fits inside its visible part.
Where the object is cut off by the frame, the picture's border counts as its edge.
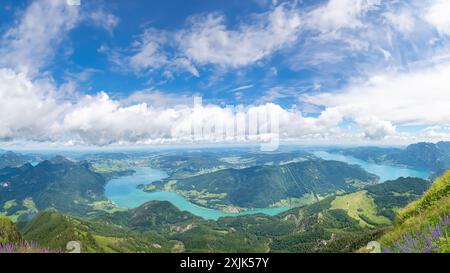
(427, 240)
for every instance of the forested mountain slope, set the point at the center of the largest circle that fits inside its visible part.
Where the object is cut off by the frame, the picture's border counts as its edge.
(428, 156)
(57, 183)
(340, 223)
(263, 186)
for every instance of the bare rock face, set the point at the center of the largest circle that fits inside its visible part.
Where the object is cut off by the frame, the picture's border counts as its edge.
(181, 229)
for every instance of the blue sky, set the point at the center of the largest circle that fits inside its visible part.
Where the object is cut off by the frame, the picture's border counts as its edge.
(119, 73)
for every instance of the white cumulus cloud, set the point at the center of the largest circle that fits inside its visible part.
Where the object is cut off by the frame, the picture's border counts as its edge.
(210, 41)
(438, 16)
(30, 44)
(420, 98)
(339, 14)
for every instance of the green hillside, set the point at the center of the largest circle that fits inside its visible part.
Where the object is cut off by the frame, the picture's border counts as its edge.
(418, 223)
(339, 223)
(349, 209)
(151, 216)
(264, 186)
(58, 183)
(55, 230)
(182, 164)
(375, 205)
(11, 159)
(8, 231)
(428, 156)
(12, 241)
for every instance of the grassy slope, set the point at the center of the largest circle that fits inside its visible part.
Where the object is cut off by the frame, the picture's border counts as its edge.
(11, 241)
(424, 211)
(375, 205)
(8, 231)
(326, 226)
(360, 206)
(262, 186)
(55, 230)
(67, 186)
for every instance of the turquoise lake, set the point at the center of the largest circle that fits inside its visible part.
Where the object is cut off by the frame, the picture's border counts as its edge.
(385, 172)
(123, 192)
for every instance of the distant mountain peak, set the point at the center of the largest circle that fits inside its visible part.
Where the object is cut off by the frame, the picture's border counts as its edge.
(60, 159)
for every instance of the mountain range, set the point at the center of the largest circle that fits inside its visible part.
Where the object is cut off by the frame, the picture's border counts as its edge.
(266, 185)
(11, 159)
(57, 183)
(337, 207)
(434, 157)
(339, 223)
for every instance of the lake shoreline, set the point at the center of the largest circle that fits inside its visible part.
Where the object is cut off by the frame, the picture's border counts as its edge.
(128, 191)
(124, 192)
(384, 171)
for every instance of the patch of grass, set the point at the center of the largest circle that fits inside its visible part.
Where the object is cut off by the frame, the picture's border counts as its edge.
(237, 160)
(360, 206)
(111, 166)
(106, 206)
(29, 204)
(423, 212)
(210, 170)
(169, 184)
(18, 210)
(437, 196)
(305, 199)
(9, 204)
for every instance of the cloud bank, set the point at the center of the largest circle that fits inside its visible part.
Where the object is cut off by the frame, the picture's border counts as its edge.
(379, 104)
(100, 120)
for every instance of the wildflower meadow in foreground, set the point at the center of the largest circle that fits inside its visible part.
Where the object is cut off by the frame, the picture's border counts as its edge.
(23, 247)
(430, 239)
